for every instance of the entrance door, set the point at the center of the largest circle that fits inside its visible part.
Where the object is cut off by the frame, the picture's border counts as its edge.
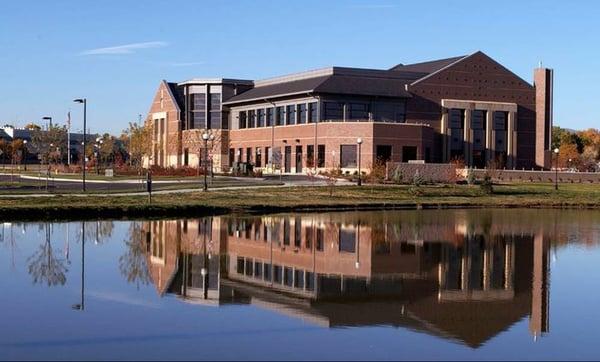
(298, 159)
(288, 159)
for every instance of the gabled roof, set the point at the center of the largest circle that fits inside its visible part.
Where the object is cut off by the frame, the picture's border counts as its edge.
(333, 80)
(427, 67)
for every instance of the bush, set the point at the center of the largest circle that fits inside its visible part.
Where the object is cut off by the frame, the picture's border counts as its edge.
(175, 171)
(377, 174)
(397, 176)
(417, 179)
(486, 184)
(471, 176)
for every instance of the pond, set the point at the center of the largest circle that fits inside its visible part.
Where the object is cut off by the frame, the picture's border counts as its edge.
(427, 284)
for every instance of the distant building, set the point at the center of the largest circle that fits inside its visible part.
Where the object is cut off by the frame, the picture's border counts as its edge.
(469, 107)
(9, 133)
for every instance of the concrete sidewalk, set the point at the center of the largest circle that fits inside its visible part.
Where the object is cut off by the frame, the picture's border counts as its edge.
(317, 183)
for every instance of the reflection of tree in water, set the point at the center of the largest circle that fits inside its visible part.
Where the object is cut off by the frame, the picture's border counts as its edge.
(97, 231)
(47, 266)
(133, 264)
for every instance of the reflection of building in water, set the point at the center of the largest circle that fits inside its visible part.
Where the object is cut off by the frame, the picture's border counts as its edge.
(453, 278)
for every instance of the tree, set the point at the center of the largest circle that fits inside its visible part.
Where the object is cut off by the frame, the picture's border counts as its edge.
(133, 264)
(51, 144)
(46, 266)
(32, 127)
(138, 142)
(16, 150)
(568, 155)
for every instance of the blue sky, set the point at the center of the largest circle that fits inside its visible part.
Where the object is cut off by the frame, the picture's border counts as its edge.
(52, 51)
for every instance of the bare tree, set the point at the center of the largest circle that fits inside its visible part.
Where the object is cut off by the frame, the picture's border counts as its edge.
(47, 267)
(133, 264)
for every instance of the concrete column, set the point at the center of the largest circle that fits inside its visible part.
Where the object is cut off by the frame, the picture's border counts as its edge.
(487, 267)
(538, 320)
(444, 133)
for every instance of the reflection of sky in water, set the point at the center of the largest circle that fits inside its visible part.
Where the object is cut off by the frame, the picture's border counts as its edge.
(129, 319)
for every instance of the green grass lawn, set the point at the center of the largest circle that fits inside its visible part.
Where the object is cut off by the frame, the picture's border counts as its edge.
(302, 198)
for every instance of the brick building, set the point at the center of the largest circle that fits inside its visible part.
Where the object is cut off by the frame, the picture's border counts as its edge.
(469, 107)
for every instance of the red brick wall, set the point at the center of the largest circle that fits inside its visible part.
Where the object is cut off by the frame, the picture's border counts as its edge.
(334, 134)
(476, 78)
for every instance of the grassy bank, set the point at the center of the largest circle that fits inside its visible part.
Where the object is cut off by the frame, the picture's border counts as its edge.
(299, 199)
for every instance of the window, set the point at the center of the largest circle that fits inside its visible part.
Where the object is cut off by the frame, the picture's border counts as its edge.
(186, 153)
(243, 116)
(308, 232)
(240, 265)
(239, 154)
(348, 241)
(299, 279)
(279, 116)
(320, 239)
(231, 156)
(198, 120)
(321, 156)
(298, 232)
(214, 120)
(251, 119)
(270, 117)
(409, 153)
(348, 156)
(478, 119)
(249, 267)
(267, 155)
(267, 272)
(257, 158)
(198, 110)
(291, 114)
(310, 155)
(215, 111)
(248, 155)
(260, 118)
(312, 112)
(288, 276)
(334, 111)
(258, 269)
(286, 232)
(456, 118)
(302, 113)
(500, 121)
(277, 273)
(390, 112)
(198, 101)
(358, 112)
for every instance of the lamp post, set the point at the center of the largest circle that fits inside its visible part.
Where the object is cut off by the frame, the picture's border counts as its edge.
(205, 137)
(48, 119)
(84, 102)
(212, 144)
(556, 168)
(359, 141)
(25, 154)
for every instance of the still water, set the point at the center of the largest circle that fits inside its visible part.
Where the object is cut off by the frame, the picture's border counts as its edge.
(431, 284)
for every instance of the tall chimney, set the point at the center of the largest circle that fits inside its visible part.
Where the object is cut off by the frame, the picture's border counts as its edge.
(543, 80)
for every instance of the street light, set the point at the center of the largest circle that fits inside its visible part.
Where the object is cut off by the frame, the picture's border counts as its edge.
(205, 137)
(25, 154)
(212, 141)
(359, 141)
(47, 119)
(556, 168)
(84, 102)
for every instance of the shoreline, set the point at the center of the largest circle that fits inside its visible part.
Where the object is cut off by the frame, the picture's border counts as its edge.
(135, 212)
